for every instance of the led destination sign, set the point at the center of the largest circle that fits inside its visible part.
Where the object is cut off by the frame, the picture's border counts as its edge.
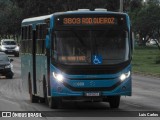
(90, 21)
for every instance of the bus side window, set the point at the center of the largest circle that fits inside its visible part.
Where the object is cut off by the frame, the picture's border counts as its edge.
(132, 40)
(41, 35)
(30, 39)
(27, 40)
(44, 33)
(37, 37)
(24, 40)
(54, 46)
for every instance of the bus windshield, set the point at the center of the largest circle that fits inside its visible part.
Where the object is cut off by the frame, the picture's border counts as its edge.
(77, 47)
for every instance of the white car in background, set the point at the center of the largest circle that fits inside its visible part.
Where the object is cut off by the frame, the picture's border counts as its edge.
(9, 46)
(6, 67)
(152, 42)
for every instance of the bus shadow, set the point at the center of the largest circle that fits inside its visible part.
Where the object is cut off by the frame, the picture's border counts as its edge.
(80, 109)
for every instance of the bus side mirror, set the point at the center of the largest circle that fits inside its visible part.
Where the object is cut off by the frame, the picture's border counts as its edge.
(133, 41)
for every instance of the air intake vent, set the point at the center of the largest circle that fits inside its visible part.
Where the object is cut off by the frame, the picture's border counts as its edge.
(100, 9)
(83, 9)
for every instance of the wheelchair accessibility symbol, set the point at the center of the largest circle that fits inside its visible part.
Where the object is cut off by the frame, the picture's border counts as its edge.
(97, 59)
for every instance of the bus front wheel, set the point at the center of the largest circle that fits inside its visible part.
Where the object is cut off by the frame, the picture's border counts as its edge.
(33, 98)
(54, 102)
(114, 101)
(44, 99)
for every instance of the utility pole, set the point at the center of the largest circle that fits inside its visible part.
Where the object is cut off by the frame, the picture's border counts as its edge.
(121, 6)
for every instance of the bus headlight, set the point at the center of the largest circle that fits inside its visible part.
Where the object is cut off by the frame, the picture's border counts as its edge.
(58, 77)
(125, 76)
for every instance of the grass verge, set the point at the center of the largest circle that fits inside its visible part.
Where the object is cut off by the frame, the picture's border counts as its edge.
(146, 60)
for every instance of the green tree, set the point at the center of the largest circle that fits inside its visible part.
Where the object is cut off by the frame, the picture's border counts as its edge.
(135, 5)
(12, 12)
(112, 5)
(10, 20)
(146, 20)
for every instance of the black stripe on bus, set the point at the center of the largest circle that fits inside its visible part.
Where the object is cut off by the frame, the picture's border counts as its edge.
(92, 88)
(92, 78)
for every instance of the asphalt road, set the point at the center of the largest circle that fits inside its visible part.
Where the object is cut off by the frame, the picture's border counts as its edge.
(146, 97)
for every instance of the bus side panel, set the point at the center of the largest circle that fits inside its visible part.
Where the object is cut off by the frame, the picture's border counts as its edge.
(26, 68)
(40, 73)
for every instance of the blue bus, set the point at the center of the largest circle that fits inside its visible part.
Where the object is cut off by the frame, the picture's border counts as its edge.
(77, 55)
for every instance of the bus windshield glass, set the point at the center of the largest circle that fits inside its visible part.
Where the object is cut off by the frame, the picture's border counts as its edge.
(77, 47)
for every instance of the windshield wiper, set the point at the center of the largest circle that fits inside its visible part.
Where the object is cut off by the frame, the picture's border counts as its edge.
(79, 38)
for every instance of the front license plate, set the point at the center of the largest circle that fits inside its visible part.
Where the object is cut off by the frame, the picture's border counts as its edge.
(92, 94)
(10, 51)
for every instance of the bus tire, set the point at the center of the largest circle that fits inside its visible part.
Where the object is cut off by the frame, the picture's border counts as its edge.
(33, 98)
(54, 102)
(44, 99)
(114, 101)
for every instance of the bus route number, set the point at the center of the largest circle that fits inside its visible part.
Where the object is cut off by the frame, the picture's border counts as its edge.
(89, 21)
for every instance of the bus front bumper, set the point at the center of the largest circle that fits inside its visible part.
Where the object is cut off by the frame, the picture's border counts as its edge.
(119, 88)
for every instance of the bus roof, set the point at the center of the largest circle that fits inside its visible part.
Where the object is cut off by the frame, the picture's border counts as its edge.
(41, 19)
(88, 12)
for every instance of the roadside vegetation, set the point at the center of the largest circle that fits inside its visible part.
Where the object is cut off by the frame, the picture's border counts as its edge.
(145, 17)
(145, 20)
(146, 60)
